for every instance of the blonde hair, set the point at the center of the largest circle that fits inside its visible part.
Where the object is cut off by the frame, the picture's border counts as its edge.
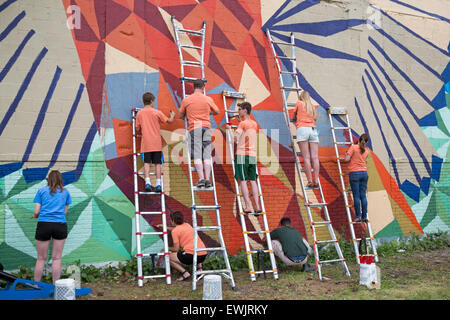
(307, 104)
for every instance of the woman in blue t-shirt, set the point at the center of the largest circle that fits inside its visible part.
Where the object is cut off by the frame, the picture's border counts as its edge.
(51, 203)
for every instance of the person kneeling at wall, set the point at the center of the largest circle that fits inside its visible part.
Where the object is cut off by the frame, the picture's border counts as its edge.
(183, 238)
(289, 245)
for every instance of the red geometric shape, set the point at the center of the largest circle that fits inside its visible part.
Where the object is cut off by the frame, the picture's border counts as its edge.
(115, 15)
(179, 11)
(219, 39)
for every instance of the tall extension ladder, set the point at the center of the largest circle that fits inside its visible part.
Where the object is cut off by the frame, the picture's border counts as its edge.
(229, 114)
(308, 205)
(140, 255)
(345, 125)
(197, 275)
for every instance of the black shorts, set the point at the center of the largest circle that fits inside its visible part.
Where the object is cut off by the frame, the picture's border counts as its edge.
(51, 230)
(153, 157)
(187, 258)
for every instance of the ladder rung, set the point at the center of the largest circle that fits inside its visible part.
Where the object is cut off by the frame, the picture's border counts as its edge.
(150, 233)
(156, 276)
(151, 173)
(213, 271)
(189, 79)
(255, 232)
(233, 94)
(321, 223)
(288, 72)
(285, 43)
(330, 261)
(344, 143)
(208, 228)
(191, 63)
(145, 192)
(286, 58)
(151, 254)
(340, 128)
(151, 212)
(206, 208)
(315, 205)
(193, 32)
(267, 271)
(327, 241)
(291, 89)
(202, 189)
(190, 46)
(256, 251)
(303, 170)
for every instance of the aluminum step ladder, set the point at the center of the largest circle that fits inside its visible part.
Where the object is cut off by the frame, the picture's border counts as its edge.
(229, 116)
(308, 192)
(139, 234)
(342, 123)
(215, 207)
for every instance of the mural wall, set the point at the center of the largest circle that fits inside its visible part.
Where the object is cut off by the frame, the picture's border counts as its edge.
(71, 70)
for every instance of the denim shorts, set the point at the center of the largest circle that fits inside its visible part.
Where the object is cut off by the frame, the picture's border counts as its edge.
(309, 134)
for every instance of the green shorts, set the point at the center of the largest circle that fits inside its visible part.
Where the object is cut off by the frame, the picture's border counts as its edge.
(245, 168)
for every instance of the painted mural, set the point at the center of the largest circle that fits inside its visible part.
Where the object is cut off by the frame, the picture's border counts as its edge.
(71, 70)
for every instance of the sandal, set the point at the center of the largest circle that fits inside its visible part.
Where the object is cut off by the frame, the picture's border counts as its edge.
(310, 185)
(183, 278)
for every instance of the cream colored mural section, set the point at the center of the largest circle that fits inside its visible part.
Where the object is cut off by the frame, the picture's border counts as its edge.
(46, 18)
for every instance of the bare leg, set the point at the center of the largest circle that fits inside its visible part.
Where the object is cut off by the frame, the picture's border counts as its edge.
(158, 170)
(304, 148)
(147, 170)
(314, 148)
(42, 252)
(207, 166)
(244, 190)
(199, 167)
(255, 194)
(58, 246)
(176, 264)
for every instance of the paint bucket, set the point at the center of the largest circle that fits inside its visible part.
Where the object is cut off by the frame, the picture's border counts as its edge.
(65, 289)
(212, 287)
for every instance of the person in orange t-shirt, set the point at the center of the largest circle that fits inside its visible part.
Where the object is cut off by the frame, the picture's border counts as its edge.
(197, 108)
(183, 238)
(149, 120)
(305, 116)
(356, 155)
(245, 159)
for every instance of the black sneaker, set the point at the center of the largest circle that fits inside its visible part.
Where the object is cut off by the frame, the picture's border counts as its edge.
(208, 184)
(200, 184)
(148, 187)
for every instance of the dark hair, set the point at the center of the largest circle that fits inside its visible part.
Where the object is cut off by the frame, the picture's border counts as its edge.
(362, 142)
(198, 84)
(285, 221)
(148, 98)
(177, 217)
(55, 181)
(245, 105)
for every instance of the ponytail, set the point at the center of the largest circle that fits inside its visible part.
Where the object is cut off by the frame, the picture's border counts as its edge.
(363, 139)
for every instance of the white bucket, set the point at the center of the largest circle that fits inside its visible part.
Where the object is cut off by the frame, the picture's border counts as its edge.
(212, 287)
(65, 289)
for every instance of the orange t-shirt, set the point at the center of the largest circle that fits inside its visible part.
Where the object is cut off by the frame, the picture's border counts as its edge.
(357, 160)
(247, 141)
(303, 118)
(149, 120)
(197, 108)
(184, 235)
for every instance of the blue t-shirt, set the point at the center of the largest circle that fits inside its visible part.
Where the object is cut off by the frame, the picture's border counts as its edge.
(52, 206)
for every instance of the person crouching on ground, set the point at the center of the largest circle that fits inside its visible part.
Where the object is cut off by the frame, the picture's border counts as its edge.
(289, 245)
(183, 238)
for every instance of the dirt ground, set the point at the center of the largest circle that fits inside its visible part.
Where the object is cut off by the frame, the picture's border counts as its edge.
(418, 275)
